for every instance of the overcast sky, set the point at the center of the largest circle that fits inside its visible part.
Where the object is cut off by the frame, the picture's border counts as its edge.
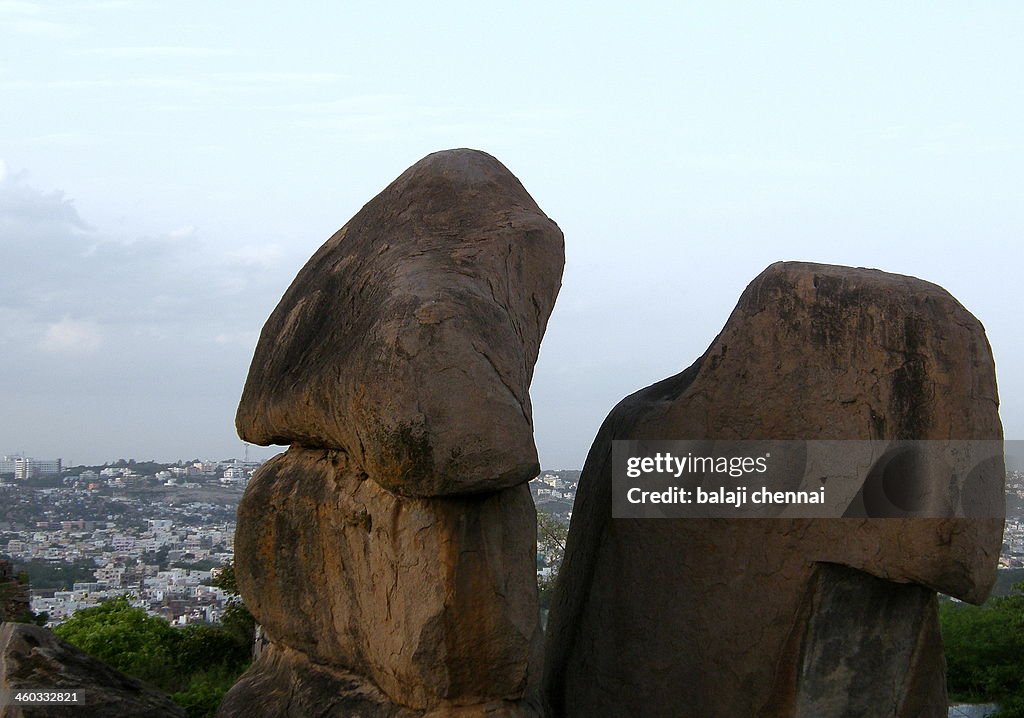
(166, 169)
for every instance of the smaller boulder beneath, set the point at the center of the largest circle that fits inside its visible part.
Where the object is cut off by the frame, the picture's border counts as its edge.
(32, 657)
(434, 601)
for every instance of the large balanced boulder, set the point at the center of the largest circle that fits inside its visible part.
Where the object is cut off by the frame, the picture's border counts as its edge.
(32, 658)
(433, 600)
(738, 616)
(409, 338)
(390, 553)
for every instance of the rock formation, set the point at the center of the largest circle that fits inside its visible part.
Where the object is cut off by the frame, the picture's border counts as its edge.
(783, 617)
(390, 553)
(32, 657)
(429, 598)
(408, 340)
(14, 598)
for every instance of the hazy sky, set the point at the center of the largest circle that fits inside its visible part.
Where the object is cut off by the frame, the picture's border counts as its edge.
(166, 168)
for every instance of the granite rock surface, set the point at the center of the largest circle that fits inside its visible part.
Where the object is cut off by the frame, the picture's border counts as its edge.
(708, 617)
(32, 657)
(409, 339)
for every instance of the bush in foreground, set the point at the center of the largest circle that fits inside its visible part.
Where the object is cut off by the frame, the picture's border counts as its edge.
(195, 664)
(984, 648)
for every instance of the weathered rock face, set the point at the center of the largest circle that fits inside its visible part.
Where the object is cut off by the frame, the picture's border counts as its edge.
(284, 682)
(14, 598)
(434, 600)
(32, 657)
(409, 339)
(390, 554)
(860, 629)
(709, 617)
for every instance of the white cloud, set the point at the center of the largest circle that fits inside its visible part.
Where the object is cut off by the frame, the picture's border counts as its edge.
(245, 340)
(44, 28)
(18, 7)
(73, 138)
(162, 82)
(123, 280)
(264, 255)
(25, 210)
(278, 78)
(70, 336)
(182, 232)
(157, 51)
(207, 83)
(111, 5)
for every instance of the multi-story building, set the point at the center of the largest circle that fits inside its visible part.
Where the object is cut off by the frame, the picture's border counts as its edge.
(25, 467)
(122, 543)
(235, 475)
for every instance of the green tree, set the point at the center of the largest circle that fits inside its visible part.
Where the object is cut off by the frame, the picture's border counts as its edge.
(127, 639)
(59, 576)
(203, 646)
(212, 657)
(236, 619)
(197, 664)
(551, 536)
(984, 647)
(205, 691)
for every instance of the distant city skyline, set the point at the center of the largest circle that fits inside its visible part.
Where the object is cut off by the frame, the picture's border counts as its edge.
(255, 453)
(165, 170)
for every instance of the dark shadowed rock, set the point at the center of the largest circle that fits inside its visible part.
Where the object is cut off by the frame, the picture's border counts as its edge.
(866, 641)
(32, 657)
(409, 339)
(286, 683)
(283, 682)
(709, 617)
(433, 600)
(14, 598)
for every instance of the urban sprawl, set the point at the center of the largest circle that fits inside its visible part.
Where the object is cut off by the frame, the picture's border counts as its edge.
(161, 533)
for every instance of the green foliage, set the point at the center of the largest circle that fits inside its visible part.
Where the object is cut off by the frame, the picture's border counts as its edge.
(239, 623)
(1006, 581)
(984, 648)
(1012, 707)
(551, 536)
(196, 664)
(204, 565)
(203, 646)
(125, 638)
(58, 576)
(225, 580)
(236, 619)
(157, 558)
(205, 691)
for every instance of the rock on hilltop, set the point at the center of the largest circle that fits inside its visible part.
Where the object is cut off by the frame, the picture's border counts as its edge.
(741, 617)
(409, 339)
(390, 553)
(32, 657)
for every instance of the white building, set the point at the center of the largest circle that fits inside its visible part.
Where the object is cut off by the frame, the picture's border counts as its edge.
(25, 467)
